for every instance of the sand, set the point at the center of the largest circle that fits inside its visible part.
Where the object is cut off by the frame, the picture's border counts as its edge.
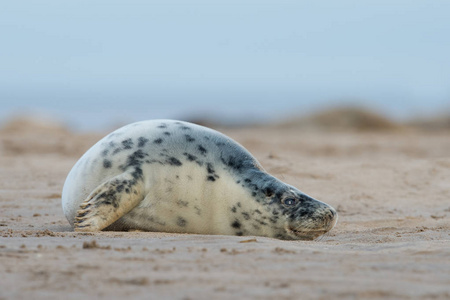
(391, 189)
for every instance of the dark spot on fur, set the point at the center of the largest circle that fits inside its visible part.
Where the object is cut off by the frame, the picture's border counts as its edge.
(108, 198)
(142, 141)
(107, 163)
(173, 161)
(137, 174)
(181, 222)
(246, 216)
(248, 180)
(162, 125)
(185, 128)
(261, 222)
(210, 168)
(239, 233)
(158, 141)
(238, 181)
(117, 150)
(254, 194)
(135, 159)
(239, 204)
(189, 138)
(202, 150)
(303, 213)
(198, 211)
(182, 203)
(234, 209)
(127, 144)
(273, 220)
(233, 163)
(236, 224)
(105, 152)
(258, 211)
(212, 173)
(156, 221)
(153, 161)
(190, 157)
(167, 133)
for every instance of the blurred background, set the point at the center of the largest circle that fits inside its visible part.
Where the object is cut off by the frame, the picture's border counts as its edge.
(94, 64)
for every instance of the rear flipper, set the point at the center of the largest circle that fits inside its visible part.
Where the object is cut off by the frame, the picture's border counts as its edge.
(109, 202)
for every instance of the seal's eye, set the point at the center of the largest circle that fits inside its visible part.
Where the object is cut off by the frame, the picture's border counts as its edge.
(289, 201)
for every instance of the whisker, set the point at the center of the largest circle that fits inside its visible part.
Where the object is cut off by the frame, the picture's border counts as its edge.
(321, 237)
(324, 235)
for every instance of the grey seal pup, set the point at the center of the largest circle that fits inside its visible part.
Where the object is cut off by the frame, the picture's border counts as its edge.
(173, 176)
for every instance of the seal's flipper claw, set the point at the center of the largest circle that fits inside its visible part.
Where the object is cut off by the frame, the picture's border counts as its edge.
(109, 202)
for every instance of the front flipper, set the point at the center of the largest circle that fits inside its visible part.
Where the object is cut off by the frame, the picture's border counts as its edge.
(109, 202)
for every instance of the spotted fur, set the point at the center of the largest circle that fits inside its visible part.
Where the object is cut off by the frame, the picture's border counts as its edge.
(174, 176)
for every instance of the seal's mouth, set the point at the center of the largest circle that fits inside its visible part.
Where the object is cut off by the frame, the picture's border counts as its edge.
(307, 235)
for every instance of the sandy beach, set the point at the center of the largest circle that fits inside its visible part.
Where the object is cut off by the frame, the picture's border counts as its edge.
(390, 186)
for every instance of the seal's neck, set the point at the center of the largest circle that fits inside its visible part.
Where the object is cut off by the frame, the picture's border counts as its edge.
(251, 212)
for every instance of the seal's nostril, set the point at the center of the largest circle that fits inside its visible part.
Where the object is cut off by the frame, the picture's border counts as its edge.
(333, 212)
(333, 217)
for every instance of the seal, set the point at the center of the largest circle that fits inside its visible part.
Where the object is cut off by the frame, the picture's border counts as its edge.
(173, 176)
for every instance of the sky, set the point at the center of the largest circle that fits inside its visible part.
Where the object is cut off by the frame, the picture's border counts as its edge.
(98, 60)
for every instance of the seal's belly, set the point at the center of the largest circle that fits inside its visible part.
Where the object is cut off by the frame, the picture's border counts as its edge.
(185, 201)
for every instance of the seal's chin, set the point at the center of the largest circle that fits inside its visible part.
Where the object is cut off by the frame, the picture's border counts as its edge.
(307, 235)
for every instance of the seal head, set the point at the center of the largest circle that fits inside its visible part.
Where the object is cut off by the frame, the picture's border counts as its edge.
(294, 214)
(306, 218)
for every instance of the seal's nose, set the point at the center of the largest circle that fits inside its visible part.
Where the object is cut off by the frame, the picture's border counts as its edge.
(332, 217)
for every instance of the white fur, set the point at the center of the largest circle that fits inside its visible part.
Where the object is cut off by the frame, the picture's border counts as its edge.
(209, 203)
